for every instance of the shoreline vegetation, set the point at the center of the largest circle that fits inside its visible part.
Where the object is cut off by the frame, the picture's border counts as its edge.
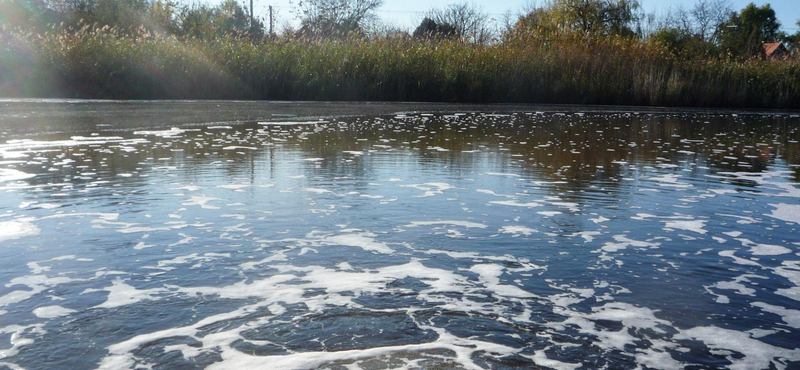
(103, 62)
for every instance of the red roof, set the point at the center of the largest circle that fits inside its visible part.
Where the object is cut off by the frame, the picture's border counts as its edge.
(772, 47)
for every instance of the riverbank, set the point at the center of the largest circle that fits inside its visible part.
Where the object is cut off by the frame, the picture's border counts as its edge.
(107, 65)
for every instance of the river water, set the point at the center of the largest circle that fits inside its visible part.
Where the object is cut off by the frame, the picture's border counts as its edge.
(179, 235)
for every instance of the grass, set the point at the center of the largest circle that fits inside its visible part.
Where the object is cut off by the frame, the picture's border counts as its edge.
(102, 63)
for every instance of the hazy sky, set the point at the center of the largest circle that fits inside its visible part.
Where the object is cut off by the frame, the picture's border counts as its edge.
(408, 13)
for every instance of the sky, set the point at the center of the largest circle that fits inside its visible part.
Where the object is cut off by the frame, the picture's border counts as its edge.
(407, 14)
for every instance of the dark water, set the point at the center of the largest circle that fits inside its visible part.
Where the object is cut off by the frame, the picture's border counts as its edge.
(448, 238)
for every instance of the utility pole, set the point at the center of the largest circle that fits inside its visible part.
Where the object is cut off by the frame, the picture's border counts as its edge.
(252, 14)
(270, 20)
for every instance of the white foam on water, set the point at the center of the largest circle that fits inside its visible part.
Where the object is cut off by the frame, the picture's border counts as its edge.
(18, 339)
(431, 188)
(588, 236)
(769, 250)
(317, 190)
(490, 278)
(786, 212)
(764, 249)
(122, 294)
(548, 213)
(142, 245)
(622, 242)
(364, 241)
(491, 192)
(341, 287)
(467, 224)
(789, 316)
(737, 285)
(791, 271)
(693, 226)
(514, 203)
(202, 201)
(757, 354)
(738, 260)
(49, 312)
(35, 284)
(744, 220)
(517, 230)
(463, 348)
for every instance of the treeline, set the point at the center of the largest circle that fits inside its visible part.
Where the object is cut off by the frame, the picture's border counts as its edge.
(167, 17)
(564, 51)
(709, 28)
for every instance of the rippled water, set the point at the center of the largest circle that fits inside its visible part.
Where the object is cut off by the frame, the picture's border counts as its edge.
(546, 237)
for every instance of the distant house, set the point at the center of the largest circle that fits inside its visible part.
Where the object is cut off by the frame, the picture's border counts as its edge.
(774, 50)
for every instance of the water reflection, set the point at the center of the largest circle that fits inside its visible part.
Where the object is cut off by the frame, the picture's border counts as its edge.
(418, 240)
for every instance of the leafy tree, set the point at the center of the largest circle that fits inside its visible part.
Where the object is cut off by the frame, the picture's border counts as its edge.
(680, 42)
(587, 17)
(229, 18)
(122, 14)
(599, 17)
(197, 21)
(793, 41)
(163, 16)
(429, 29)
(746, 31)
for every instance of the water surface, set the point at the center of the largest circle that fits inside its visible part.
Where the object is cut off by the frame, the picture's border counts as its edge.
(219, 235)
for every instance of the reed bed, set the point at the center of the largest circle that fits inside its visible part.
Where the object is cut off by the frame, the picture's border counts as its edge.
(104, 63)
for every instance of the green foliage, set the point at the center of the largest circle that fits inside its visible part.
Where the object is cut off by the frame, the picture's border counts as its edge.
(746, 31)
(229, 18)
(683, 43)
(105, 63)
(585, 17)
(132, 16)
(429, 29)
(793, 41)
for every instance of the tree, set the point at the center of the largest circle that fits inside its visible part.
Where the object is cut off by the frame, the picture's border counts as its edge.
(163, 14)
(744, 33)
(597, 17)
(122, 14)
(793, 41)
(586, 17)
(680, 42)
(227, 19)
(429, 29)
(470, 22)
(335, 18)
(536, 22)
(709, 16)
